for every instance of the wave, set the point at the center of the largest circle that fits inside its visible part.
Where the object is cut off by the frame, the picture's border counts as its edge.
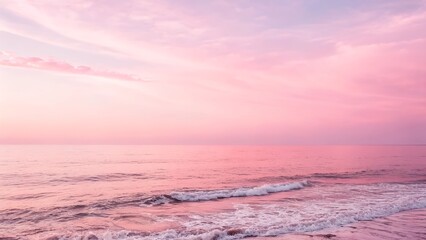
(196, 196)
(337, 206)
(52, 179)
(61, 213)
(329, 175)
(404, 176)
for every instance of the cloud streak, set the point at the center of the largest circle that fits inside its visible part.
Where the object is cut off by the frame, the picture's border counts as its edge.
(225, 71)
(12, 60)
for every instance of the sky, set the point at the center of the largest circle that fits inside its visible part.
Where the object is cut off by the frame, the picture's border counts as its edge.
(213, 72)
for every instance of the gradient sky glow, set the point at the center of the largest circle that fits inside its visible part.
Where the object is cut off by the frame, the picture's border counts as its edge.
(213, 72)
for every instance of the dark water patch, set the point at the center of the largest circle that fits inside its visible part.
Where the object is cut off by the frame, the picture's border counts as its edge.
(78, 206)
(20, 216)
(53, 180)
(9, 238)
(30, 196)
(372, 173)
(103, 178)
(67, 213)
(33, 231)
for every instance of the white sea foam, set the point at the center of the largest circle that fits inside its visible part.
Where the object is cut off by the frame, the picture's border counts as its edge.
(239, 192)
(195, 196)
(324, 207)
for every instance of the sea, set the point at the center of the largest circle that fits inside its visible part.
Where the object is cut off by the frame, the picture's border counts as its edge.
(212, 192)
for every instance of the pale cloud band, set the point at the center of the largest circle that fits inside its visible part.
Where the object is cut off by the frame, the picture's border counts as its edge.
(12, 60)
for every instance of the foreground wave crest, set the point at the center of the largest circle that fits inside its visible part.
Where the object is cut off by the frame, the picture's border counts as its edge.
(195, 196)
(359, 203)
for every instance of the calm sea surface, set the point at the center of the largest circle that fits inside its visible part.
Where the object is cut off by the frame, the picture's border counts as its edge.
(205, 192)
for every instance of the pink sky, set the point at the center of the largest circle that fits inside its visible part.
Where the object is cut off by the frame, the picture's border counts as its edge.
(213, 72)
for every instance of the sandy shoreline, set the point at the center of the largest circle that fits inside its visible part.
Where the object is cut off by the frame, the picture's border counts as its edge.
(404, 225)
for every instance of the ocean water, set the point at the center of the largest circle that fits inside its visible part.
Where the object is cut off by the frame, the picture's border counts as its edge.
(211, 192)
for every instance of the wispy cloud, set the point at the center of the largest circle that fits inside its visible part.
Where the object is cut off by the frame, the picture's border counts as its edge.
(12, 60)
(223, 69)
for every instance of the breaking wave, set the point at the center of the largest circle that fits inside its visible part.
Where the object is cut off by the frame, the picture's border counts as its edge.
(195, 196)
(268, 220)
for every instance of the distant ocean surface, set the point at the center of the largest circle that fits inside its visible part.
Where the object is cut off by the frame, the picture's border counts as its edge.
(212, 192)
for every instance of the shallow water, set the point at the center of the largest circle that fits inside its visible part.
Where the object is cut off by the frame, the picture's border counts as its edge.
(203, 192)
(404, 225)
